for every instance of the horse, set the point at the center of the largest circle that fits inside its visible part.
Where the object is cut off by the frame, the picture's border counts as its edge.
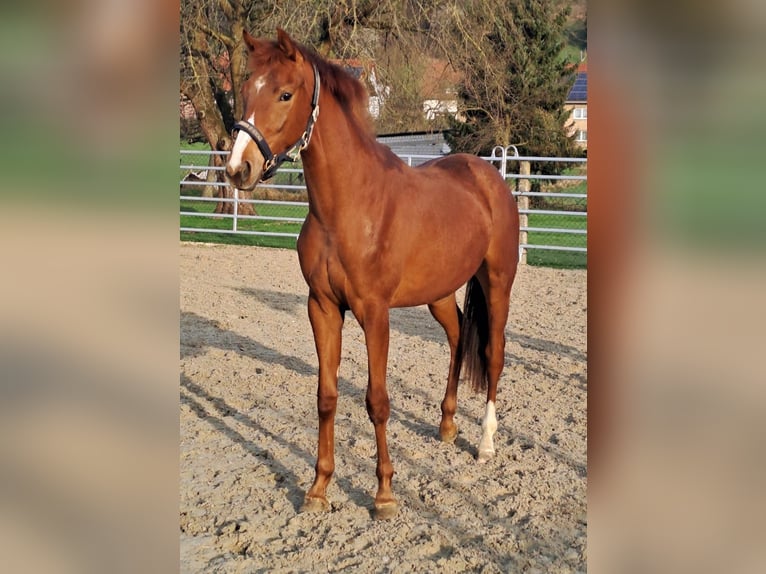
(379, 235)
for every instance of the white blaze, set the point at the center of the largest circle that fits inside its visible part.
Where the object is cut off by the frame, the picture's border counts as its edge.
(488, 427)
(260, 81)
(238, 150)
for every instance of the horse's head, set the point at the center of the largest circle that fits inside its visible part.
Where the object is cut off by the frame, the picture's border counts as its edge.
(280, 102)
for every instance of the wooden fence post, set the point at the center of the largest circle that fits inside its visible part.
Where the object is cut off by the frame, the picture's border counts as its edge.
(523, 186)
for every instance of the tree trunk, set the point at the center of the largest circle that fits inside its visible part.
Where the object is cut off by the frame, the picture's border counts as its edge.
(199, 90)
(238, 56)
(212, 177)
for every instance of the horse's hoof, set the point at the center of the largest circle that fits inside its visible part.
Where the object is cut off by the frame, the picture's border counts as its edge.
(449, 434)
(386, 510)
(484, 456)
(312, 504)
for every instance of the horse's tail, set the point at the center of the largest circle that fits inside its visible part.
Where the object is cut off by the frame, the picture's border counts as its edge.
(474, 336)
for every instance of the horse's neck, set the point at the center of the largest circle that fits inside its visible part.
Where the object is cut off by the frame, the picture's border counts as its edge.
(335, 162)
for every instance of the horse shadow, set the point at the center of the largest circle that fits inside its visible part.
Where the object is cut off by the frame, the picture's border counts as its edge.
(547, 346)
(192, 396)
(198, 333)
(217, 412)
(410, 321)
(417, 322)
(290, 303)
(196, 398)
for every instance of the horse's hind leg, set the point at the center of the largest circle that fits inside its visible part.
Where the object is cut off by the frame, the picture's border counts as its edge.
(447, 313)
(496, 284)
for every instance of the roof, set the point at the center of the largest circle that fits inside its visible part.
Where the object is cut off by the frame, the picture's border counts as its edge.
(579, 91)
(439, 79)
(416, 143)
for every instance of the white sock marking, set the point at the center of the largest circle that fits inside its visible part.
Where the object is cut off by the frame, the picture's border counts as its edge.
(488, 427)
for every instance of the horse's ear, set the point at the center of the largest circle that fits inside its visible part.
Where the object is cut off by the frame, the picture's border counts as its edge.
(286, 44)
(250, 42)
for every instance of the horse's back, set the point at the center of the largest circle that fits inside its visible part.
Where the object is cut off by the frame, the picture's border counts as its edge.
(473, 175)
(478, 175)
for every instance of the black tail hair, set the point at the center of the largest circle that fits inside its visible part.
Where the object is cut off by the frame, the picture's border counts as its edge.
(474, 336)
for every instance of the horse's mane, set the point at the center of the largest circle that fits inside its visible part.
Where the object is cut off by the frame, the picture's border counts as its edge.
(347, 90)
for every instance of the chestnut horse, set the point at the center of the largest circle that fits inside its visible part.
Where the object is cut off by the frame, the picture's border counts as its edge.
(379, 234)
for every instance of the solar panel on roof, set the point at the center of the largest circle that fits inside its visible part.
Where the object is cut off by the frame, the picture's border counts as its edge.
(579, 91)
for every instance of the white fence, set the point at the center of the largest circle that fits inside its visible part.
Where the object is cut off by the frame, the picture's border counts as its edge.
(552, 204)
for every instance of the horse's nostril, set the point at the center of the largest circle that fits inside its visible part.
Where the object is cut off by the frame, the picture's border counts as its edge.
(246, 169)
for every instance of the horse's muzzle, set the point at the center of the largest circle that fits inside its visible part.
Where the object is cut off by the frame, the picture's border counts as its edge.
(244, 176)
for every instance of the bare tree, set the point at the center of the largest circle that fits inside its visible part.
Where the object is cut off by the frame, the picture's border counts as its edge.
(387, 32)
(507, 51)
(515, 79)
(213, 61)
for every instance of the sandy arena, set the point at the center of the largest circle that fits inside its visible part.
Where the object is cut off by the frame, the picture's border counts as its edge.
(249, 429)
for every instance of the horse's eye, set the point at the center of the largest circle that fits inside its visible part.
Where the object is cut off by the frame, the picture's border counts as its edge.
(285, 97)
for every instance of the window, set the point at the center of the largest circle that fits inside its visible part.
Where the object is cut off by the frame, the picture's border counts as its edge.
(582, 136)
(580, 113)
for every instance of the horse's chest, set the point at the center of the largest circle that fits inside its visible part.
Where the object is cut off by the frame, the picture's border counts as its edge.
(322, 268)
(347, 264)
(336, 274)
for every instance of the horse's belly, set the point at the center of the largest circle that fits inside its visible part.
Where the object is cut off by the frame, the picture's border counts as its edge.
(414, 296)
(433, 274)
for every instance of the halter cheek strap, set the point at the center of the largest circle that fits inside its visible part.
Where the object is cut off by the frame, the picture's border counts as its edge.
(272, 162)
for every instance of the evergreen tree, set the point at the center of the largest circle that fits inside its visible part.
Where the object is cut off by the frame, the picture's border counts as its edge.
(515, 79)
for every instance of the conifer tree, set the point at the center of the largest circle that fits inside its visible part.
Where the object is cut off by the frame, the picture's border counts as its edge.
(515, 79)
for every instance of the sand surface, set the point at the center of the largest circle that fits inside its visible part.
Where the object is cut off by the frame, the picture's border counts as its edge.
(248, 432)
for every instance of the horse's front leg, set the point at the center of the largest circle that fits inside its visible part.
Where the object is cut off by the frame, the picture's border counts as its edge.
(327, 323)
(376, 333)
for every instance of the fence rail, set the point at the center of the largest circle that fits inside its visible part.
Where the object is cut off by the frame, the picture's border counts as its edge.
(552, 204)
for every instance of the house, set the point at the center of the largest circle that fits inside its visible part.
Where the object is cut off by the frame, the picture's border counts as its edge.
(577, 102)
(439, 89)
(364, 71)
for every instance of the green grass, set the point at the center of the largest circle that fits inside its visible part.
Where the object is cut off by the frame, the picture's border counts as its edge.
(259, 240)
(194, 159)
(539, 257)
(215, 221)
(559, 259)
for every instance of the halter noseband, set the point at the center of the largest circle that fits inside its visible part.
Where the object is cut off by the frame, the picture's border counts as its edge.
(273, 162)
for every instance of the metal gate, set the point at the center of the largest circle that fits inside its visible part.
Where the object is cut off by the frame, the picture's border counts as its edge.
(551, 193)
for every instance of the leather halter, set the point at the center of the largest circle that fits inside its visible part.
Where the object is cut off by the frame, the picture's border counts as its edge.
(272, 162)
